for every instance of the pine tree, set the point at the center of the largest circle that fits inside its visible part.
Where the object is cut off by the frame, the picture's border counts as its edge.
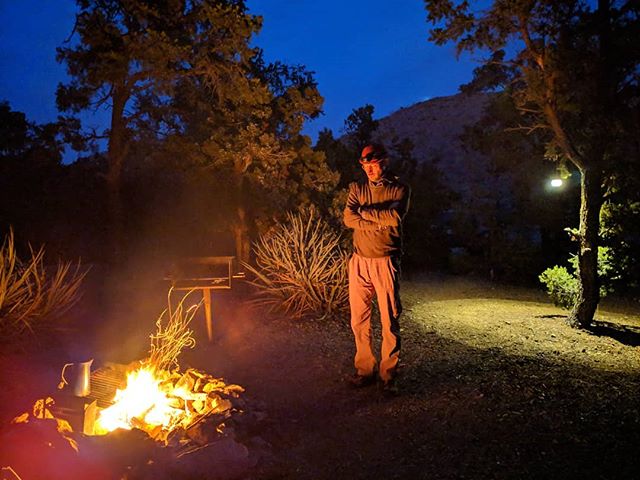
(132, 55)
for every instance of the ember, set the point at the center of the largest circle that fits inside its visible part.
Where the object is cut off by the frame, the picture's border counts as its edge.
(159, 402)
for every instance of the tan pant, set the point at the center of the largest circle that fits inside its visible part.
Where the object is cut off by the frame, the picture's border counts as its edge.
(379, 276)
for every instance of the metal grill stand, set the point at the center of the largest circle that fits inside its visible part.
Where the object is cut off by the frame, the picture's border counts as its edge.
(206, 274)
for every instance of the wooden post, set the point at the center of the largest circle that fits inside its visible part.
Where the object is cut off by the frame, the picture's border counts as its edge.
(206, 274)
(206, 295)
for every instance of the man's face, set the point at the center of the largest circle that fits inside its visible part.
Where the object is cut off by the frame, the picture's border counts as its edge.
(373, 170)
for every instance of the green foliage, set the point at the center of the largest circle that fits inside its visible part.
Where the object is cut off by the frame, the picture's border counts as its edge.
(342, 153)
(360, 126)
(620, 220)
(30, 171)
(340, 157)
(32, 300)
(563, 286)
(191, 96)
(143, 59)
(425, 243)
(140, 52)
(301, 269)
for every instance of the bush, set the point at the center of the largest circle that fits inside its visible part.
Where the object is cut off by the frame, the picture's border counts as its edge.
(301, 268)
(31, 300)
(563, 286)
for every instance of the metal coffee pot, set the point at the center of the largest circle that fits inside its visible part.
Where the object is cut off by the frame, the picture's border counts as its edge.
(80, 381)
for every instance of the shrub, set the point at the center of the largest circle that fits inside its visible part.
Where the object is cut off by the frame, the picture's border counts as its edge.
(563, 286)
(32, 300)
(301, 268)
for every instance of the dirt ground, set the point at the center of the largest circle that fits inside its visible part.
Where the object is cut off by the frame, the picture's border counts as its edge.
(493, 385)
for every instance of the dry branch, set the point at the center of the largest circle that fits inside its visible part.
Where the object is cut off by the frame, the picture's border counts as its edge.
(169, 341)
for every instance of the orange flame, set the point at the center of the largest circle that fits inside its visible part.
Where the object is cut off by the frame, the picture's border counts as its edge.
(147, 402)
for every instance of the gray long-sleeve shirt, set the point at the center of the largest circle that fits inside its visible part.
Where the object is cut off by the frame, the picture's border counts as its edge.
(375, 212)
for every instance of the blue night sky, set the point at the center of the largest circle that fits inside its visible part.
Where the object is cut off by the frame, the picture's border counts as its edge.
(364, 51)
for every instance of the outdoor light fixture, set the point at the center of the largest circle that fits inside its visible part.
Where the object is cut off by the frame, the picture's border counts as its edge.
(561, 173)
(556, 182)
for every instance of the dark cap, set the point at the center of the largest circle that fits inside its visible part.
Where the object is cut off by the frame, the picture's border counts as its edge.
(373, 152)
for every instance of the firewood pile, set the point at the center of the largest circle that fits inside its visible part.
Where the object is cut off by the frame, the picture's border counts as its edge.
(206, 392)
(185, 400)
(198, 395)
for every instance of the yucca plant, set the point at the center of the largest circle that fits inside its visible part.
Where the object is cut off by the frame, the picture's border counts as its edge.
(33, 299)
(301, 269)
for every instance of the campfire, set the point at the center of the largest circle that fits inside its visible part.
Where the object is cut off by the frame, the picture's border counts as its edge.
(159, 402)
(148, 419)
(157, 398)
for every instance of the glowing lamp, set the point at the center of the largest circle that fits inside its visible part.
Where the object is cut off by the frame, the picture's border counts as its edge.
(556, 182)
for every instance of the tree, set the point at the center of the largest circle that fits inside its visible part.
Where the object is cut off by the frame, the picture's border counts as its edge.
(132, 55)
(342, 153)
(30, 167)
(360, 126)
(621, 229)
(425, 239)
(188, 92)
(274, 168)
(572, 70)
(264, 165)
(339, 157)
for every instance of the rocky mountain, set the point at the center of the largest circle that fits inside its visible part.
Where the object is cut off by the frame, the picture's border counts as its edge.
(502, 220)
(435, 127)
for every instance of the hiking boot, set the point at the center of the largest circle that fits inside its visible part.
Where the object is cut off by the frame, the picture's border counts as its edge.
(359, 381)
(389, 387)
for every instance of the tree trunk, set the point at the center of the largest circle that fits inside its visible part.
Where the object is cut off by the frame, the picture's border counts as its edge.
(241, 236)
(589, 288)
(241, 224)
(591, 198)
(115, 155)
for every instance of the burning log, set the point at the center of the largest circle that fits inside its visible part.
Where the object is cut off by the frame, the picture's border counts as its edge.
(159, 402)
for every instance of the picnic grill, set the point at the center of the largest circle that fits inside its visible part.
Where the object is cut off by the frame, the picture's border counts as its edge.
(205, 274)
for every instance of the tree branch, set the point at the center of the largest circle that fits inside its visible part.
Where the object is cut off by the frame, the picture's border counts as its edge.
(562, 137)
(95, 136)
(627, 7)
(528, 129)
(103, 99)
(530, 110)
(526, 37)
(547, 103)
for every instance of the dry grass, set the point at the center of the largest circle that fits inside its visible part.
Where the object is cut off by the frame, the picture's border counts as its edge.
(169, 341)
(34, 298)
(301, 268)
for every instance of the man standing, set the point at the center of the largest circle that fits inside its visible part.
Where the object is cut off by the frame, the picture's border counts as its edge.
(375, 209)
